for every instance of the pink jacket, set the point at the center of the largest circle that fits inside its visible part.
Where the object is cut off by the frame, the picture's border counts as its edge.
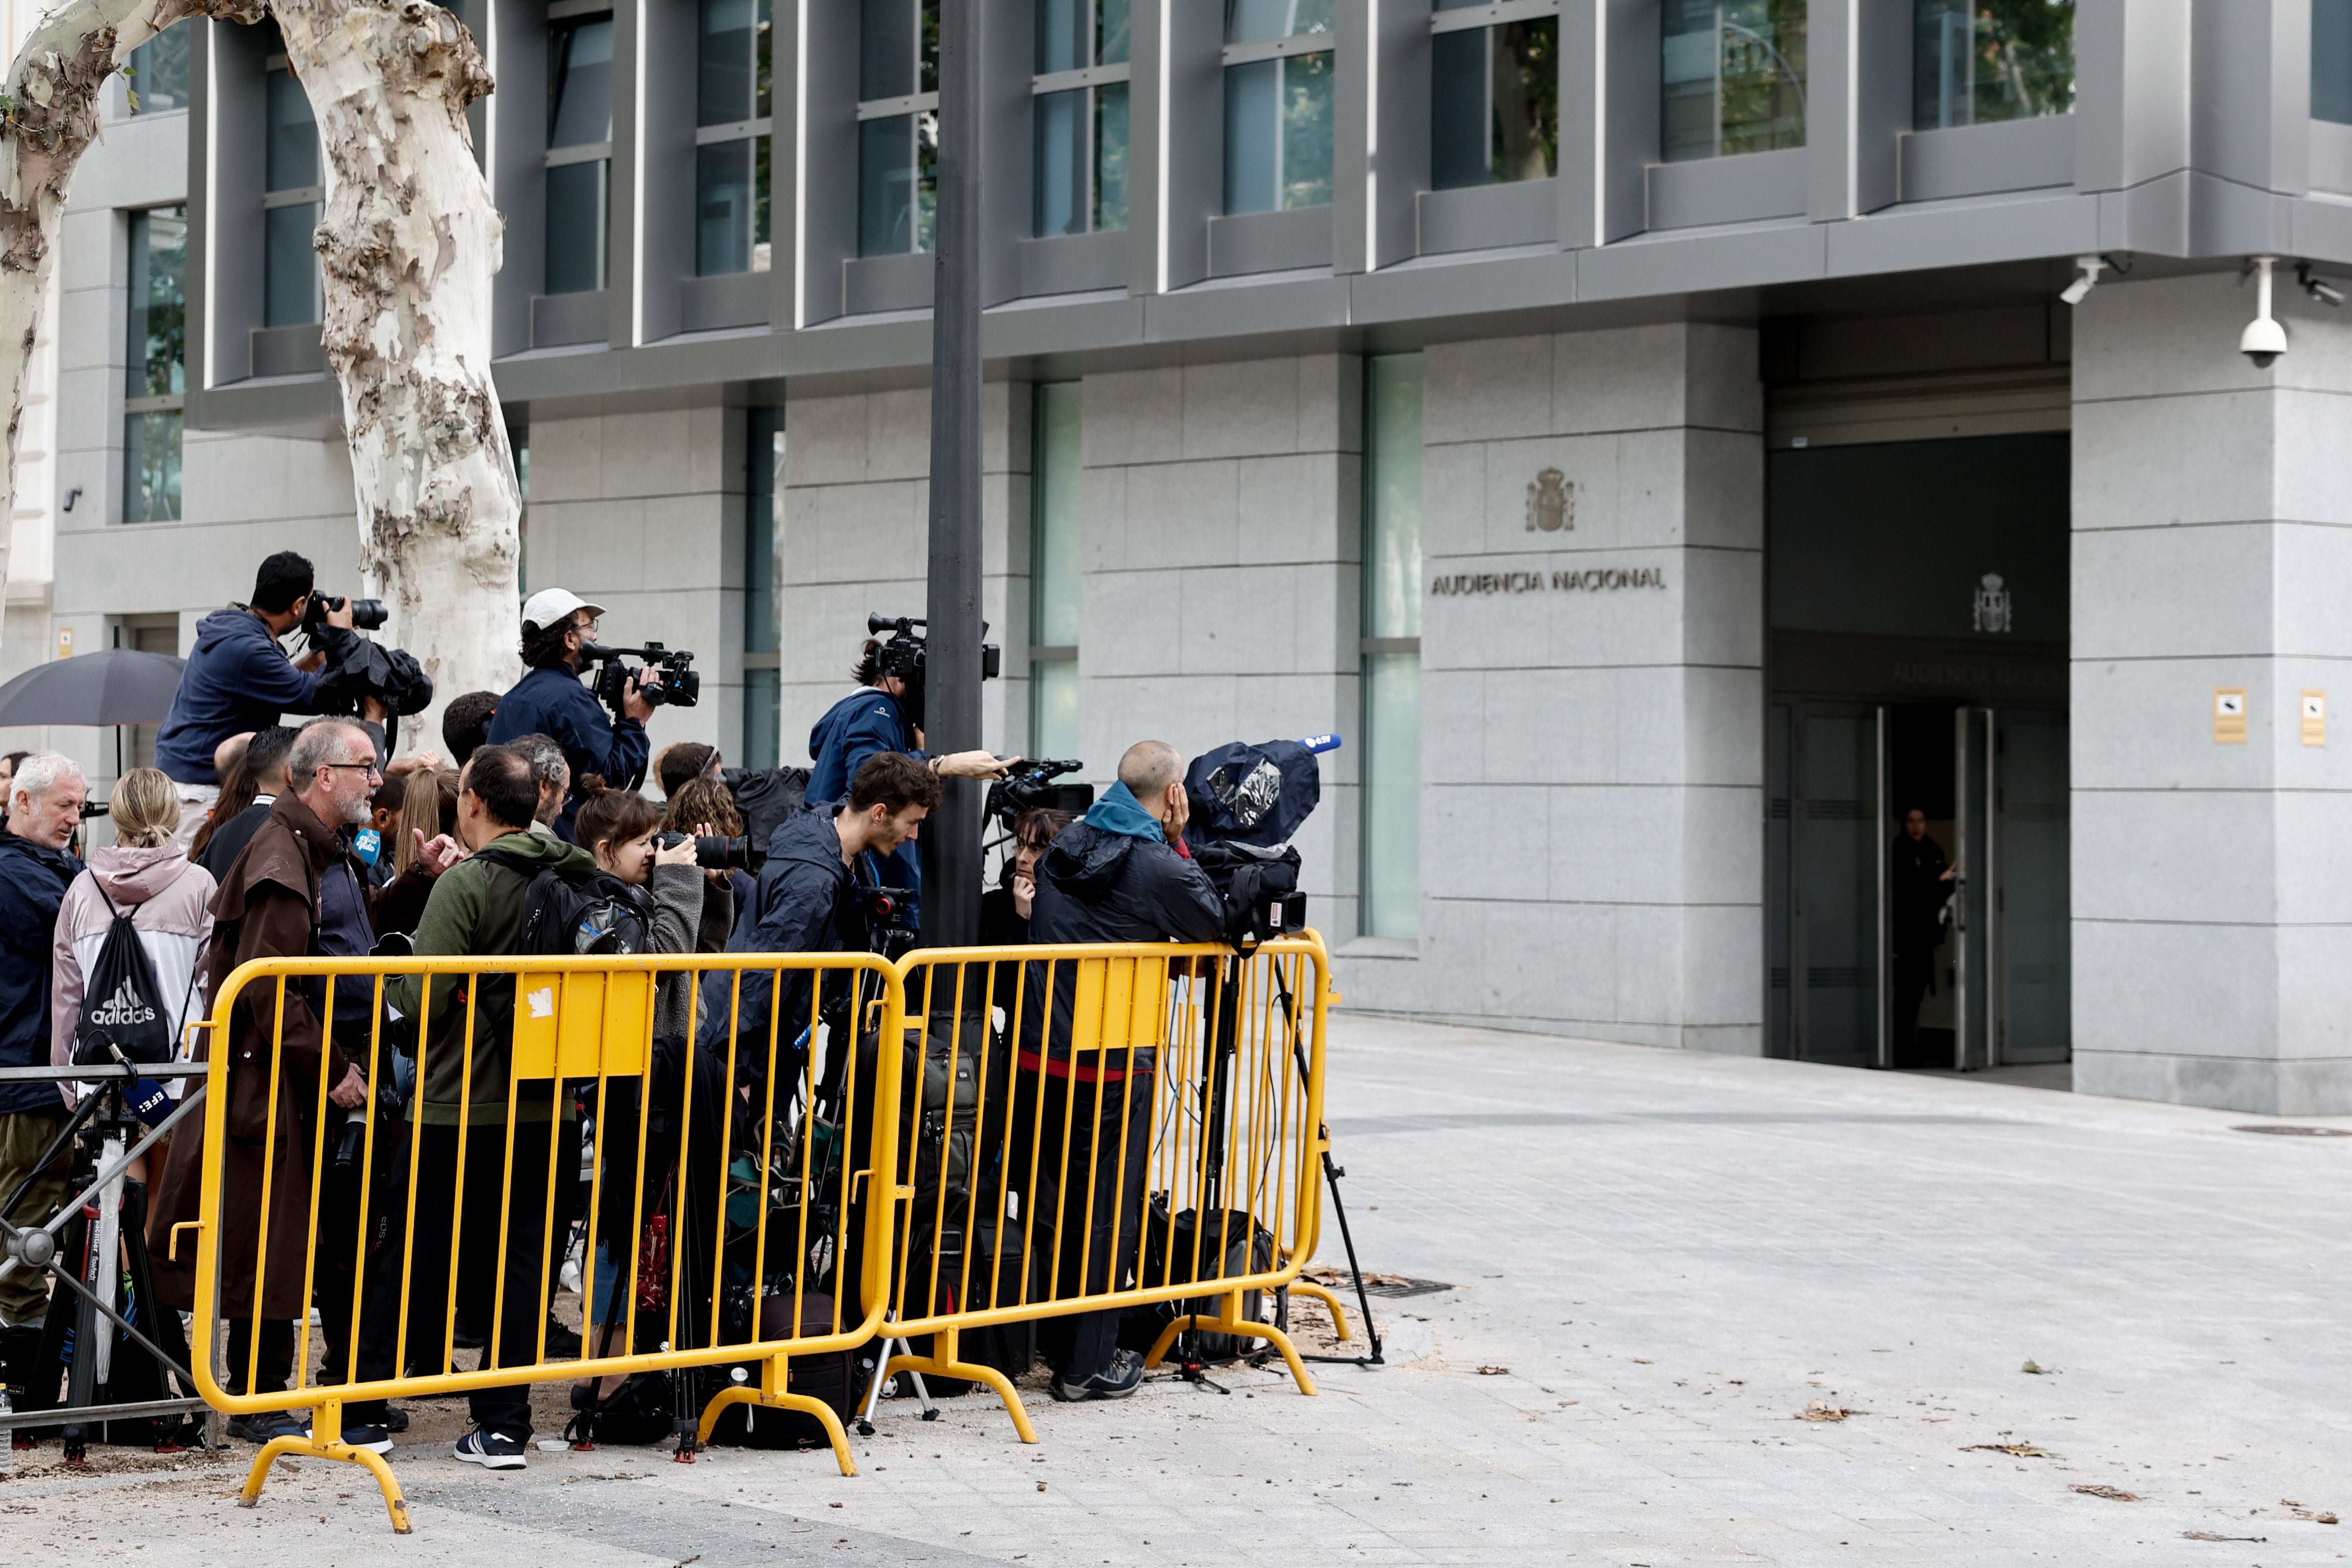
(174, 923)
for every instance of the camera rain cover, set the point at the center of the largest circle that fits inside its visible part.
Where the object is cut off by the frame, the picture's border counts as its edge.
(1257, 795)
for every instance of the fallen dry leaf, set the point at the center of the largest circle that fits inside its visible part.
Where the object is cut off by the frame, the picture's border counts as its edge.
(2115, 1494)
(1643, 1360)
(2208, 1535)
(1494, 1372)
(1815, 1410)
(2036, 1369)
(2022, 1450)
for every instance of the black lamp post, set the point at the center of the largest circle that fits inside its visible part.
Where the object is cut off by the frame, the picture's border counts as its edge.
(952, 839)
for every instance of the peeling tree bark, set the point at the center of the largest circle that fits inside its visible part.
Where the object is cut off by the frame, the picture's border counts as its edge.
(410, 242)
(49, 118)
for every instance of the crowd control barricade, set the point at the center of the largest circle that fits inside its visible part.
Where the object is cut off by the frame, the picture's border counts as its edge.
(720, 1193)
(1095, 1128)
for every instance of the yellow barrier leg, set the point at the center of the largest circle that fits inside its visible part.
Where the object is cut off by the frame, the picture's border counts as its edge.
(943, 1363)
(1338, 1314)
(772, 1395)
(328, 1417)
(1231, 1322)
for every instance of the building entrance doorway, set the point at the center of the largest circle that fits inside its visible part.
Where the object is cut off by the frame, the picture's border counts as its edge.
(1917, 909)
(1918, 853)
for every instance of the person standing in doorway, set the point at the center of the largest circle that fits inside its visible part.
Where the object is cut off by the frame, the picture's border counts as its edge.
(1920, 881)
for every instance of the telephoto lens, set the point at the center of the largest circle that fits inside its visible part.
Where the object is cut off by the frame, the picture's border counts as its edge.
(718, 854)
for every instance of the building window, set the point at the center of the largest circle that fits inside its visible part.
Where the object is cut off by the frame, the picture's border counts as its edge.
(158, 73)
(1278, 93)
(1391, 650)
(1974, 61)
(156, 347)
(1054, 572)
(1493, 105)
(293, 193)
(1734, 76)
(579, 154)
(732, 138)
(1080, 116)
(897, 126)
(763, 483)
(2331, 61)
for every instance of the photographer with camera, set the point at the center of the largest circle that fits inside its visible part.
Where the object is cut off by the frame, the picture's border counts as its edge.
(559, 631)
(238, 679)
(806, 899)
(1123, 874)
(886, 714)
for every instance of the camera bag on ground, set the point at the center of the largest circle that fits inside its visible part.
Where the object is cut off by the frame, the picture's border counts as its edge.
(938, 1131)
(1192, 1250)
(122, 1005)
(570, 917)
(829, 1377)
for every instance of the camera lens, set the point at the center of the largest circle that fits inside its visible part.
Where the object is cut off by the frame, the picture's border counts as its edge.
(369, 614)
(720, 853)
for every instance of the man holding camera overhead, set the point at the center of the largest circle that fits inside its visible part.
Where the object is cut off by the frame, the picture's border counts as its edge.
(239, 680)
(558, 628)
(886, 714)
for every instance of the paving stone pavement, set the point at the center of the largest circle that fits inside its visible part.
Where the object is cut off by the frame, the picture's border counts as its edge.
(1665, 1257)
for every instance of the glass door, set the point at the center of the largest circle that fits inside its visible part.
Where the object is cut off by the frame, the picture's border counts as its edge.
(1835, 768)
(2034, 999)
(1975, 939)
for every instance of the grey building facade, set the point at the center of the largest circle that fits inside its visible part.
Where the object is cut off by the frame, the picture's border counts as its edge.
(1650, 430)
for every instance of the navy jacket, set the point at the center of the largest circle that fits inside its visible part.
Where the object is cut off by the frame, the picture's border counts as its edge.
(866, 721)
(553, 703)
(1110, 877)
(33, 882)
(799, 906)
(238, 679)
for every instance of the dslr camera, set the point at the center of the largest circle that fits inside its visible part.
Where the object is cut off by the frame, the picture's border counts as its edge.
(681, 686)
(1030, 785)
(367, 614)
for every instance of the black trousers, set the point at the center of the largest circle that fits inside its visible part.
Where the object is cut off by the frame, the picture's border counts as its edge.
(275, 1368)
(1083, 1207)
(462, 1231)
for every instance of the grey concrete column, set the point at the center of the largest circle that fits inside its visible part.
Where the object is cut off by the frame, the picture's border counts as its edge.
(2212, 555)
(1591, 697)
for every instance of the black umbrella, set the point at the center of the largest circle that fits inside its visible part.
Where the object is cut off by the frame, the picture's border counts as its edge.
(114, 686)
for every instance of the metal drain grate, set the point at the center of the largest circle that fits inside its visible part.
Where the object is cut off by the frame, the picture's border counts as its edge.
(2300, 1132)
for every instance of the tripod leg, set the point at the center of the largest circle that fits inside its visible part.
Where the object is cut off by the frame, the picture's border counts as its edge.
(81, 1377)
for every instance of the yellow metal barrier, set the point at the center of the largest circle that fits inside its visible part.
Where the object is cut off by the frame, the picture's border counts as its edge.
(1091, 1129)
(717, 1184)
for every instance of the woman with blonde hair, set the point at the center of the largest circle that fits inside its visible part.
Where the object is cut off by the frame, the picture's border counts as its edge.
(146, 875)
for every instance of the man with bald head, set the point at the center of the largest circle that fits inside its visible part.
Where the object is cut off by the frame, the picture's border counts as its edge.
(1123, 874)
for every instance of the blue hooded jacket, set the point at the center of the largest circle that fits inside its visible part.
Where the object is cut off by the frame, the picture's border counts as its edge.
(238, 681)
(866, 721)
(33, 882)
(552, 701)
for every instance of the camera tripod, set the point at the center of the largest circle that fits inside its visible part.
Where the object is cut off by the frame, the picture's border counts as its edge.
(95, 1247)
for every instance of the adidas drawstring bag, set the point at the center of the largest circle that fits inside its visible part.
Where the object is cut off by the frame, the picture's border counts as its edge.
(121, 1006)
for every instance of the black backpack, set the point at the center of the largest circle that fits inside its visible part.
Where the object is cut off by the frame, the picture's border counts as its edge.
(121, 1006)
(571, 917)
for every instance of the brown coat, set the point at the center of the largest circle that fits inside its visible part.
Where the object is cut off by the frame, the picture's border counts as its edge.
(268, 907)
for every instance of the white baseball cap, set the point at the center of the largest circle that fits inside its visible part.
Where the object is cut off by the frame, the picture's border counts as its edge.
(549, 606)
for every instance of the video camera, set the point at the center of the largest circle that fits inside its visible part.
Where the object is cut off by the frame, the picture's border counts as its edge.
(681, 686)
(1246, 803)
(367, 614)
(1029, 786)
(888, 914)
(904, 651)
(714, 852)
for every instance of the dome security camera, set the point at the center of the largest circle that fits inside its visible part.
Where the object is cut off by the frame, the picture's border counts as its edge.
(2264, 339)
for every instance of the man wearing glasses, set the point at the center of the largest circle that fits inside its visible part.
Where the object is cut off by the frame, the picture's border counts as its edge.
(296, 890)
(558, 628)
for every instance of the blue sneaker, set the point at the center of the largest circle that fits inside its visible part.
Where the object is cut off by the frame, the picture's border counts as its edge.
(493, 1450)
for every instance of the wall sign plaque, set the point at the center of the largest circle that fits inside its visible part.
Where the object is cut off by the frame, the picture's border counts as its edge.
(1585, 580)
